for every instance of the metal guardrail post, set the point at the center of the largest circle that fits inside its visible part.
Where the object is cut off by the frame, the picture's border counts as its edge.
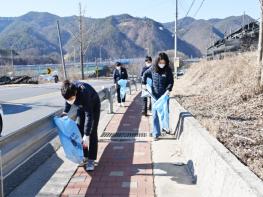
(129, 84)
(135, 84)
(109, 93)
(17, 147)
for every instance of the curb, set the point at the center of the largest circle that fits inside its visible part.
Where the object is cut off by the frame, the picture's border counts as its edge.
(218, 172)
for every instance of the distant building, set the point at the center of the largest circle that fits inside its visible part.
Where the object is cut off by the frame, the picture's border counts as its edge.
(244, 39)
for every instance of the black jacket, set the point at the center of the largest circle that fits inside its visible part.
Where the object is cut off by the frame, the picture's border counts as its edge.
(162, 81)
(118, 75)
(144, 69)
(86, 99)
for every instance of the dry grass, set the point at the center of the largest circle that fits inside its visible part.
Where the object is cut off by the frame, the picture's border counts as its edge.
(222, 96)
(228, 74)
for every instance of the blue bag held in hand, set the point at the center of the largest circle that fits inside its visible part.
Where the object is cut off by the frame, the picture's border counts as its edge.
(149, 83)
(148, 92)
(70, 138)
(123, 84)
(162, 108)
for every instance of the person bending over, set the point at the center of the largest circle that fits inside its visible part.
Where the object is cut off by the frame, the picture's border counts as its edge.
(87, 101)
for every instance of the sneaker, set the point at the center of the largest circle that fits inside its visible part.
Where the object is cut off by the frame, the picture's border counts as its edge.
(90, 165)
(155, 138)
(84, 162)
(167, 131)
(119, 104)
(122, 104)
(144, 113)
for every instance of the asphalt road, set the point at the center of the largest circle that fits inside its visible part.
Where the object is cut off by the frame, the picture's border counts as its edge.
(25, 104)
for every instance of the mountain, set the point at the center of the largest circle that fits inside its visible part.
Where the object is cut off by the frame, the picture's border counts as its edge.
(154, 36)
(26, 39)
(4, 22)
(231, 23)
(121, 36)
(182, 23)
(198, 34)
(202, 33)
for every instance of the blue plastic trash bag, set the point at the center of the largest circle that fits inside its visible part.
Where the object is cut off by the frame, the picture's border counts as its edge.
(123, 84)
(145, 93)
(148, 92)
(149, 82)
(162, 108)
(70, 138)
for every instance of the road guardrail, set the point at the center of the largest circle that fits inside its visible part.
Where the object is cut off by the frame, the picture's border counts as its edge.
(19, 148)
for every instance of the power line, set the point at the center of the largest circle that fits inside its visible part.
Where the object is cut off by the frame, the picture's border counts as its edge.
(190, 8)
(201, 5)
(182, 6)
(186, 5)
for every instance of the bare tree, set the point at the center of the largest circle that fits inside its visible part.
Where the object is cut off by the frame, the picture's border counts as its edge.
(79, 38)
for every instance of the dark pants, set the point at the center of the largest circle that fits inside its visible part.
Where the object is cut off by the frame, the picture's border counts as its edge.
(145, 104)
(92, 150)
(119, 95)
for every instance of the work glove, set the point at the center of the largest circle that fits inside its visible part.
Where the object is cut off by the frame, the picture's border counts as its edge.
(167, 93)
(63, 114)
(144, 87)
(85, 141)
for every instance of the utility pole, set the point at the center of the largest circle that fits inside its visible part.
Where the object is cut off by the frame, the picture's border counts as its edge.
(12, 59)
(81, 41)
(176, 60)
(148, 51)
(97, 68)
(100, 55)
(175, 30)
(260, 50)
(61, 53)
(74, 51)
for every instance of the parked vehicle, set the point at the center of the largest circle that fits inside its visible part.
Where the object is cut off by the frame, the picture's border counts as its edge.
(51, 76)
(180, 73)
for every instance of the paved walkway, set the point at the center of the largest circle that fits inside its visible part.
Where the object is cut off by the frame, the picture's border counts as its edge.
(124, 167)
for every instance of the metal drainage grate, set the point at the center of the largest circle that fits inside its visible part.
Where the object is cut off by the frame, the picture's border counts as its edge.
(123, 135)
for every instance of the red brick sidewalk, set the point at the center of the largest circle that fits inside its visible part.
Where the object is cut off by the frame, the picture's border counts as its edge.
(125, 167)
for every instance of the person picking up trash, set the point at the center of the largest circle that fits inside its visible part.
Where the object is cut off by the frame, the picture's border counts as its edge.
(148, 64)
(87, 101)
(162, 84)
(120, 73)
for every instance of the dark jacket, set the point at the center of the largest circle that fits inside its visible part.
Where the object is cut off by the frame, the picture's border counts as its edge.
(163, 80)
(144, 69)
(86, 99)
(118, 75)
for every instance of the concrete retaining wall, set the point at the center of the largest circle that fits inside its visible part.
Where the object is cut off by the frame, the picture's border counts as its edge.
(217, 171)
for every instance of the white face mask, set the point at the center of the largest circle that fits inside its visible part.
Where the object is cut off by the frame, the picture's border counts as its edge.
(71, 102)
(118, 68)
(161, 65)
(148, 64)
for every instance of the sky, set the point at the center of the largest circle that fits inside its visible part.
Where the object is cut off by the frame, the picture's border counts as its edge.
(159, 10)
